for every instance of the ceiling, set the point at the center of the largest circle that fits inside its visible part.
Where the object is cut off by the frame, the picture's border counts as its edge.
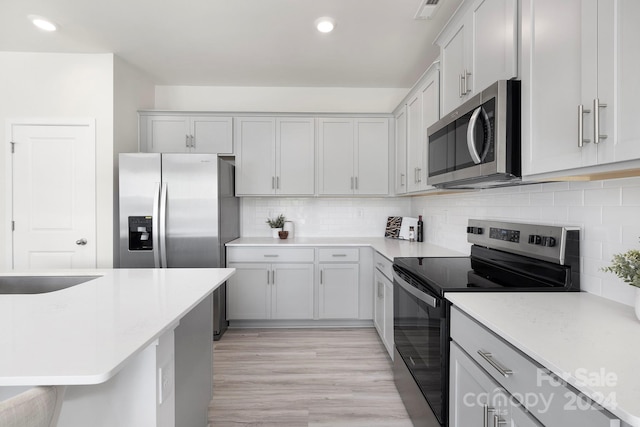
(376, 43)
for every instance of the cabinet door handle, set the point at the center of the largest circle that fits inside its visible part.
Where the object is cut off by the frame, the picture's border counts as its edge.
(489, 358)
(401, 180)
(419, 175)
(380, 290)
(487, 410)
(273, 277)
(596, 121)
(267, 277)
(497, 421)
(459, 85)
(321, 277)
(466, 82)
(356, 182)
(271, 255)
(277, 182)
(273, 182)
(581, 112)
(193, 142)
(186, 141)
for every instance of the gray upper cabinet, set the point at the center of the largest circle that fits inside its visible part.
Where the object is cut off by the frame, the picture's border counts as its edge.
(478, 46)
(353, 156)
(419, 110)
(580, 87)
(275, 156)
(185, 133)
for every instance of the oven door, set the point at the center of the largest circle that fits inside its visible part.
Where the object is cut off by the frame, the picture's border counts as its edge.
(421, 340)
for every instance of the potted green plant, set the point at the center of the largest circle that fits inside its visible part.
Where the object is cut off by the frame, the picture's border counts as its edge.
(627, 267)
(276, 224)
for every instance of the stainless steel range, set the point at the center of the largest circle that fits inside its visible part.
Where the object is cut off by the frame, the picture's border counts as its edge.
(505, 257)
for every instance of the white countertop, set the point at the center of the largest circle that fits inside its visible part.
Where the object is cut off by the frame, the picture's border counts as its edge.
(85, 334)
(389, 248)
(578, 336)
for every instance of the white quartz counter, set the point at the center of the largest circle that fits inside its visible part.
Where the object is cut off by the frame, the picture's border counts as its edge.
(389, 248)
(591, 342)
(86, 333)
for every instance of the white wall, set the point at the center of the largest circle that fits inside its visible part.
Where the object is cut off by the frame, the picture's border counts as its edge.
(278, 99)
(318, 217)
(133, 90)
(608, 213)
(45, 85)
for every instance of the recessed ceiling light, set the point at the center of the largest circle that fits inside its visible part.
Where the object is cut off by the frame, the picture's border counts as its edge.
(325, 24)
(42, 23)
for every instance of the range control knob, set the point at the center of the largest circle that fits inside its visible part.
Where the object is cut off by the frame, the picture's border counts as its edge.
(534, 239)
(474, 230)
(549, 242)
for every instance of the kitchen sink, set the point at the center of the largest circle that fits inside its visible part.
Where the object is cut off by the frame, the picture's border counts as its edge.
(39, 284)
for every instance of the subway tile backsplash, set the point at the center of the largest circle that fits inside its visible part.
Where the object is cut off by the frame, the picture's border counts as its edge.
(608, 213)
(318, 217)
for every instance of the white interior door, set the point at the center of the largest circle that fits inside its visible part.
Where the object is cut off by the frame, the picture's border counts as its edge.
(53, 196)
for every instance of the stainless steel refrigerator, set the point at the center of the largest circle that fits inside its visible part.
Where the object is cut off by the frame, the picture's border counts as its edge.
(178, 210)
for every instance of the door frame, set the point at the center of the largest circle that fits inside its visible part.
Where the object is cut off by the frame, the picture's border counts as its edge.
(9, 124)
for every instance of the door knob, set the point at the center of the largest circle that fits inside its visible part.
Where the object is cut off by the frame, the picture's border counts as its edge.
(81, 242)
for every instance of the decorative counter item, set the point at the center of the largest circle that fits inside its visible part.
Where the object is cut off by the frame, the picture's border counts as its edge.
(276, 225)
(283, 234)
(288, 226)
(627, 267)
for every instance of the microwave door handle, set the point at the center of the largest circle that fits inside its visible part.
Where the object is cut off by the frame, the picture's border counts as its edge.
(471, 138)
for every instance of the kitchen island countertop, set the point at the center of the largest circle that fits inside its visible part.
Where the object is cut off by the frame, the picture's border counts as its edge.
(591, 342)
(389, 248)
(86, 333)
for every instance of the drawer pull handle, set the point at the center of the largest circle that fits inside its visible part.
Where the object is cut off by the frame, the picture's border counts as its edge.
(489, 358)
(487, 410)
(338, 255)
(271, 256)
(380, 265)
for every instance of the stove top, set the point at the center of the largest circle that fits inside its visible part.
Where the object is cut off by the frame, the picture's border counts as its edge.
(505, 257)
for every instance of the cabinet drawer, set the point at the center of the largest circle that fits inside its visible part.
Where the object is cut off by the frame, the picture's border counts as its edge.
(269, 254)
(339, 255)
(557, 403)
(383, 264)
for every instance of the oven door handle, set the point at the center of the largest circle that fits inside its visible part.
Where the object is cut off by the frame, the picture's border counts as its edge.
(415, 292)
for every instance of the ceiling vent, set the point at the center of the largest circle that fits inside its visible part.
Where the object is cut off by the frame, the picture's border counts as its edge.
(426, 9)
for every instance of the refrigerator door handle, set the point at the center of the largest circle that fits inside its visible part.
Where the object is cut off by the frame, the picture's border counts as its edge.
(155, 226)
(163, 226)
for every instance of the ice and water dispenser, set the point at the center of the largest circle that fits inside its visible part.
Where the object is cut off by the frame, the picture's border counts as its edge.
(140, 233)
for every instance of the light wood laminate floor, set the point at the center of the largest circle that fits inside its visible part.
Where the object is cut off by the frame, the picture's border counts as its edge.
(304, 377)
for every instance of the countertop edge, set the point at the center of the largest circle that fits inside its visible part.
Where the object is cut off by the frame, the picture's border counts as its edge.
(538, 357)
(100, 377)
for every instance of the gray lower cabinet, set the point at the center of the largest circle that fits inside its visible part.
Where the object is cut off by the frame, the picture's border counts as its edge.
(270, 291)
(494, 384)
(299, 285)
(383, 301)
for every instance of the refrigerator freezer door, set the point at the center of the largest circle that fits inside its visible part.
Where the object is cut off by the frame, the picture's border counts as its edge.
(191, 220)
(139, 180)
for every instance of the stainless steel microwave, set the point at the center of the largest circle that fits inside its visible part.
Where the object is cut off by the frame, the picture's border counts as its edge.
(478, 144)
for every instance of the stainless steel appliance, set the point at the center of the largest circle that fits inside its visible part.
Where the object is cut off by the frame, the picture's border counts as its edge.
(505, 257)
(178, 210)
(478, 144)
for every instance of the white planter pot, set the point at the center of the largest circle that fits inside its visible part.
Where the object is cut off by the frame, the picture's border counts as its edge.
(638, 303)
(274, 232)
